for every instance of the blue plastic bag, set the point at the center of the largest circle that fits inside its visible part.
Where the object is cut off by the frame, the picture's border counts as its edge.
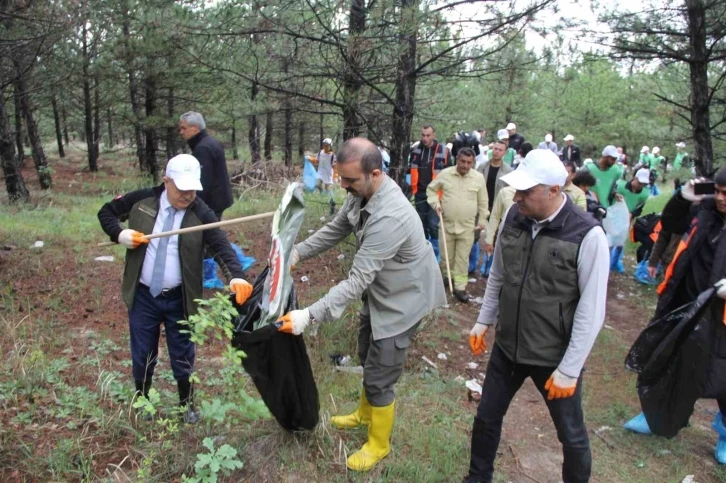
(486, 265)
(211, 280)
(474, 256)
(310, 176)
(641, 273)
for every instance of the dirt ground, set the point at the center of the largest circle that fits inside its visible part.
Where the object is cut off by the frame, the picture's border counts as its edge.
(37, 284)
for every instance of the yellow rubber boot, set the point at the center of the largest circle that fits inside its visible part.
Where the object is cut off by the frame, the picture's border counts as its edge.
(360, 417)
(379, 440)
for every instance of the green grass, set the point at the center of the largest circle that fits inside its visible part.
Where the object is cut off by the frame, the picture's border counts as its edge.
(65, 394)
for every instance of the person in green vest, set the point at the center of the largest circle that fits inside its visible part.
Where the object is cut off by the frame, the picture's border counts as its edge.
(634, 193)
(657, 166)
(681, 156)
(646, 158)
(508, 157)
(606, 172)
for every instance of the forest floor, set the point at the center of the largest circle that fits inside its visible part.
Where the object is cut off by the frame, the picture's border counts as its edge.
(65, 378)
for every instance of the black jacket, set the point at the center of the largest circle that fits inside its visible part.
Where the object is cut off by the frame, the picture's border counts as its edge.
(217, 193)
(140, 208)
(516, 141)
(575, 158)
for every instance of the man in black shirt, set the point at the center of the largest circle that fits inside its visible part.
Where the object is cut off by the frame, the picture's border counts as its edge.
(515, 139)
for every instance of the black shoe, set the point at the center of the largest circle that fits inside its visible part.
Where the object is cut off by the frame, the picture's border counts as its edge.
(191, 416)
(462, 296)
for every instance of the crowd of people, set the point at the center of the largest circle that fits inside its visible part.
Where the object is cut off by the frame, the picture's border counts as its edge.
(546, 257)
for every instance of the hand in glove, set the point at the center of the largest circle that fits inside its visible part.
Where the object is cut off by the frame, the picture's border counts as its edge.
(242, 290)
(131, 238)
(294, 322)
(476, 339)
(560, 386)
(721, 286)
(688, 191)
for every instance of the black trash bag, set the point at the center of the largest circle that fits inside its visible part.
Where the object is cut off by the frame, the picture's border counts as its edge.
(278, 364)
(672, 356)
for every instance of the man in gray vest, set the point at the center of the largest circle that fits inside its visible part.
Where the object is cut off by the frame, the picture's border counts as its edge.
(549, 284)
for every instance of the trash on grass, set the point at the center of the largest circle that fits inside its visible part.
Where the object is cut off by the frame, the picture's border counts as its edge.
(442, 356)
(341, 256)
(37, 244)
(429, 362)
(304, 279)
(104, 258)
(472, 365)
(473, 385)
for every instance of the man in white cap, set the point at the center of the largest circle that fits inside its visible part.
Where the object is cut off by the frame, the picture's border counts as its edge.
(634, 193)
(681, 156)
(548, 144)
(607, 173)
(163, 277)
(515, 139)
(326, 161)
(548, 285)
(571, 152)
(645, 158)
(509, 154)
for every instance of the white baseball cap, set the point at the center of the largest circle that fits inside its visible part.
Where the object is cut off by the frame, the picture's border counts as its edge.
(656, 150)
(681, 145)
(541, 166)
(328, 141)
(502, 134)
(548, 138)
(184, 169)
(644, 149)
(611, 151)
(511, 127)
(569, 137)
(643, 175)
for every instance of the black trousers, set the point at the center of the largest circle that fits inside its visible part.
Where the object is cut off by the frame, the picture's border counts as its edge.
(503, 380)
(429, 217)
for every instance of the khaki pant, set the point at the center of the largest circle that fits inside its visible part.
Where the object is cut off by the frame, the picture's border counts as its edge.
(459, 247)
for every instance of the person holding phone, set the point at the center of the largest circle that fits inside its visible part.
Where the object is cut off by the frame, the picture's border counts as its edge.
(698, 264)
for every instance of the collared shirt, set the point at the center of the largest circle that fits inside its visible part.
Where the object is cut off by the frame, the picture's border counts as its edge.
(394, 264)
(593, 268)
(172, 272)
(463, 199)
(504, 200)
(576, 195)
(552, 146)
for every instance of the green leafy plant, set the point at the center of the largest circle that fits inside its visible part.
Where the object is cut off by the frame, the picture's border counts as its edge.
(209, 465)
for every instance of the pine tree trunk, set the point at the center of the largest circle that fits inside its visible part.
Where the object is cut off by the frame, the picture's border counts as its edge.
(322, 126)
(133, 92)
(56, 122)
(96, 118)
(301, 139)
(18, 114)
(268, 135)
(87, 103)
(41, 163)
(65, 124)
(235, 152)
(253, 133)
(14, 182)
(352, 82)
(700, 92)
(405, 90)
(151, 142)
(288, 132)
(171, 145)
(109, 127)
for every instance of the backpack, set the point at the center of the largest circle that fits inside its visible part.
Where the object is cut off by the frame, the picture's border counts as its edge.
(464, 140)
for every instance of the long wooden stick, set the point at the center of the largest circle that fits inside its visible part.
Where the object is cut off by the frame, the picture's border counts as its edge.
(208, 226)
(446, 254)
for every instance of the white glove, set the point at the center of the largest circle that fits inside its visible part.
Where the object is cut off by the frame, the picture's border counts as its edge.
(131, 238)
(688, 191)
(478, 329)
(294, 322)
(721, 285)
(294, 258)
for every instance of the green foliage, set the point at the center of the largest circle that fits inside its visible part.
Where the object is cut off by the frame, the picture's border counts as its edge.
(210, 465)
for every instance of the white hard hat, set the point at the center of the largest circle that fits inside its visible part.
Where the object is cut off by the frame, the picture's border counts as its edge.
(511, 127)
(548, 138)
(328, 141)
(644, 149)
(569, 137)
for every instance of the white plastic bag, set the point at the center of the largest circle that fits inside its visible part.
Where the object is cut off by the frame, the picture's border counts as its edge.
(617, 224)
